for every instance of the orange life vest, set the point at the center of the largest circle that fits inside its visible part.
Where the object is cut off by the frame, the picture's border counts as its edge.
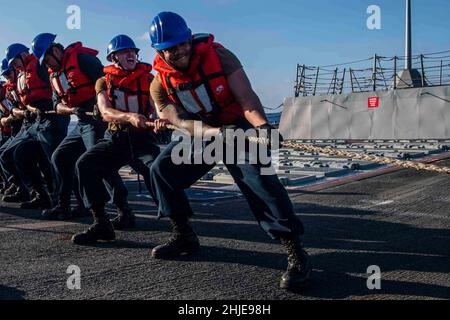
(70, 84)
(130, 91)
(30, 86)
(202, 89)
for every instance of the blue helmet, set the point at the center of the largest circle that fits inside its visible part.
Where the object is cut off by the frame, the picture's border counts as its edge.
(5, 67)
(41, 44)
(120, 42)
(14, 50)
(167, 30)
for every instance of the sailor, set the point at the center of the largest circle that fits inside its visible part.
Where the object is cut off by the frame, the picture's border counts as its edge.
(34, 90)
(16, 155)
(73, 73)
(124, 101)
(8, 101)
(199, 80)
(5, 128)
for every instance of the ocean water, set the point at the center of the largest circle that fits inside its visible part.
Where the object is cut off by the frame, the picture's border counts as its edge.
(274, 118)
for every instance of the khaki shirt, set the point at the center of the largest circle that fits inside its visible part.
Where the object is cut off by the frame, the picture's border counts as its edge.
(100, 85)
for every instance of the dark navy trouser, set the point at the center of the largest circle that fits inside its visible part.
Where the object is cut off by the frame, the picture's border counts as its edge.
(7, 161)
(50, 131)
(265, 194)
(4, 139)
(17, 127)
(82, 138)
(4, 146)
(116, 150)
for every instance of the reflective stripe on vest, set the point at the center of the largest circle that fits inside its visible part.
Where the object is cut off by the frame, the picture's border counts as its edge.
(22, 82)
(196, 100)
(7, 104)
(60, 83)
(125, 102)
(14, 96)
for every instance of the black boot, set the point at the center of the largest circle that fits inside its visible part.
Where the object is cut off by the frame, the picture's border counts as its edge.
(40, 201)
(21, 195)
(102, 229)
(299, 265)
(61, 211)
(80, 211)
(12, 189)
(33, 194)
(183, 241)
(125, 217)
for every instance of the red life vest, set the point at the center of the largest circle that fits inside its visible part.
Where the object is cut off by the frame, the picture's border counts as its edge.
(130, 91)
(202, 89)
(70, 84)
(4, 109)
(8, 98)
(12, 95)
(30, 86)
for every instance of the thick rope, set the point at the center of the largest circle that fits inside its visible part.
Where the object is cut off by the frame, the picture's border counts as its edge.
(366, 157)
(350, 155)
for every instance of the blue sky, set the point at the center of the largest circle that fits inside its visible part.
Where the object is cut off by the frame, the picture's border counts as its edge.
(269, 37)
